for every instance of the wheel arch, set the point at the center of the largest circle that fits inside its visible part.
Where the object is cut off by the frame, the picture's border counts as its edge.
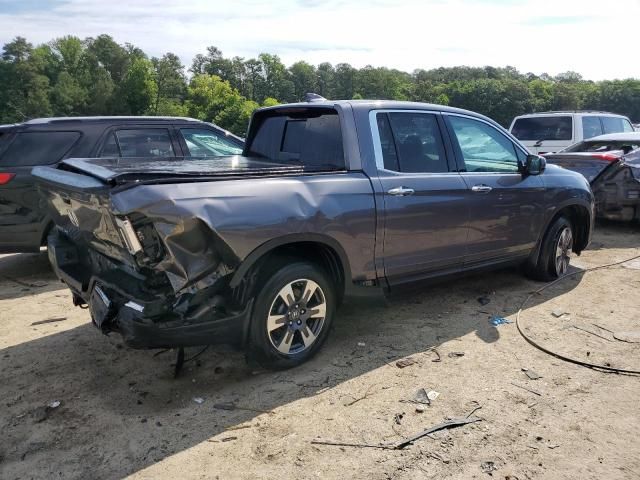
(318, 248)
(581, 220)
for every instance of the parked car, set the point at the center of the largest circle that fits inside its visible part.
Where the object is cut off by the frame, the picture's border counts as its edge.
(23, 222)
(611, 163)
(328, 200)
(548, 132)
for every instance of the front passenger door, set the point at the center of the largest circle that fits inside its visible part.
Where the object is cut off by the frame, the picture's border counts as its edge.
(505, 207)
(425, 215)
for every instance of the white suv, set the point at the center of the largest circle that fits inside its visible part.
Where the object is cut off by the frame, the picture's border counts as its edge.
(547, 132)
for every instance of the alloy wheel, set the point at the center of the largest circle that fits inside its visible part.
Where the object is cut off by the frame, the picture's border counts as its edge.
(296, 316)
(563, 251)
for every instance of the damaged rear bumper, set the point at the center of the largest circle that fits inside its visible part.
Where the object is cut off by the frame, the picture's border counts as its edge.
(144, 320)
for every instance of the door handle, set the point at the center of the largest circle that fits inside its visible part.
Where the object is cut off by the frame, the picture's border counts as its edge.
(481, 188)
(401, 191)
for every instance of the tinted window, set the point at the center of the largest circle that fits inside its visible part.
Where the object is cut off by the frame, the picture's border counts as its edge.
(312, 139)
(543, 128)
(412, 143)
(614, 124)
(110, 148)
(387, 144)
(150, 142)
(591, 127)
(38, 148)
(483, 147)
(207, 143)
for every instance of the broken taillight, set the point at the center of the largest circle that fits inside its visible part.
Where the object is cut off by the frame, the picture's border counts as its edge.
(607, 157)
(6, 178)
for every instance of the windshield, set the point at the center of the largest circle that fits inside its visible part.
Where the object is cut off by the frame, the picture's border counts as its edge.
(604, 146)
(543, 128)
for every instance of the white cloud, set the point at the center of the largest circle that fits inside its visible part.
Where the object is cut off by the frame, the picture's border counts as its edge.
(539, 36)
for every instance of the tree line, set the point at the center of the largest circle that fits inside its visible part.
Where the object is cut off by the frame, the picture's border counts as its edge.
(97, 76)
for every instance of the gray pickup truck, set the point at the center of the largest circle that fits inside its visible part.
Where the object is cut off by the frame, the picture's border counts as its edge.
(329, 200)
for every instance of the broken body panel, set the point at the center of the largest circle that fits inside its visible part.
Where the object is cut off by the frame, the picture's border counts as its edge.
(614, 179)
(155, 262)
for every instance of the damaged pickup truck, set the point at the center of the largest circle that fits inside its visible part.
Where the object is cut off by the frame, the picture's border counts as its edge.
(329, 200)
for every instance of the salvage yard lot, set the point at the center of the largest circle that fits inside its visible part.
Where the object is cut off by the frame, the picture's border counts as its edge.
(122, 413)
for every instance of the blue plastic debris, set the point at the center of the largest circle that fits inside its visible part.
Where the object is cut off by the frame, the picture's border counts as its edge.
(495, 321)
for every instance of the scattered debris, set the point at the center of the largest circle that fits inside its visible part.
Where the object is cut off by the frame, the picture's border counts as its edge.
(531, 374)
(455, 354)
(592, 333)
(49, 320)
(398, 418)
(437, 456)
(40, 414)
(629, 337)
(495, 321)
(422, 397)
(432, 395)
(437, 353)
(452, 423)
(527, 389)
(232, 406)
(198, 400)
(362, 344)
(553, 445)
(228, 439)
(559, 313)
(357, 399)
(405, 362)
(420, 409)
(488, 467)
(25, 284)
(484, 301)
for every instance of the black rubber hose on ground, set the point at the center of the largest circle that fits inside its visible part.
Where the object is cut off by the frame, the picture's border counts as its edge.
(575, 361)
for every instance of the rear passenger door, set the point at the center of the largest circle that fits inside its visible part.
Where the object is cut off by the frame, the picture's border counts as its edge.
(505, 207)
(425, 210)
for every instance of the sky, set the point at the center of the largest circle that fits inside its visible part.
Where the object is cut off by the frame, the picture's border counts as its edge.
(595, 38)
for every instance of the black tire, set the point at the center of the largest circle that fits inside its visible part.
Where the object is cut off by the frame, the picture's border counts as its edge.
(295, 325)
(548, 267)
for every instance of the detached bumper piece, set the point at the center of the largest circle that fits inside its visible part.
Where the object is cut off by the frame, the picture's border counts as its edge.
(118, 304)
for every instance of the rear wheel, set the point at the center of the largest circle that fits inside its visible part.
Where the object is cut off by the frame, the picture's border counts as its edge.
(291, 316)
(555, 253)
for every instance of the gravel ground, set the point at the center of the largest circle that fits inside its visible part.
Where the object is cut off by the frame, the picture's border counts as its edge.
(121, 412)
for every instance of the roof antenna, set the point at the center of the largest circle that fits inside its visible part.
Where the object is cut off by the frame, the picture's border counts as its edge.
(313, 97)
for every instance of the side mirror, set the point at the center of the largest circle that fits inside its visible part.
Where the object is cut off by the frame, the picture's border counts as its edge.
(534, 165)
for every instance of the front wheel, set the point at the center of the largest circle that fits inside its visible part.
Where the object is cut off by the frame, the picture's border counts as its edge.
(555, 253)
(292, 316)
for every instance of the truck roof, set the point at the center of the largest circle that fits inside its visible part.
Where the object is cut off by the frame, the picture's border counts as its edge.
(377, 104)
(107, 119)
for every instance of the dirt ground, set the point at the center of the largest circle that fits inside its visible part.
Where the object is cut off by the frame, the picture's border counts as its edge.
(122, 413)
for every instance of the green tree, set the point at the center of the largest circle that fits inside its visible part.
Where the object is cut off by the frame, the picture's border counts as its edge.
(138, 88)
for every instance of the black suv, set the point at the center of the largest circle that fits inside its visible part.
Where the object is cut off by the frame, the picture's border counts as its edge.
(23, 222)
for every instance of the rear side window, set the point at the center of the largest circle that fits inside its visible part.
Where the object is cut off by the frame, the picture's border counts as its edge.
(615, 125)
(38, 148)
(148, 142)
(206, 143)
(543, 128)
(411, 142)
(591, 127)
(309, 138)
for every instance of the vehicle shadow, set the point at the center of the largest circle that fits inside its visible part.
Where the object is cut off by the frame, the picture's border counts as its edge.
(25, 274)
(611, 234)
(122, 410)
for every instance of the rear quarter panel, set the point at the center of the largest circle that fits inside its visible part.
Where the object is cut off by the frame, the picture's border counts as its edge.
(247, 213)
